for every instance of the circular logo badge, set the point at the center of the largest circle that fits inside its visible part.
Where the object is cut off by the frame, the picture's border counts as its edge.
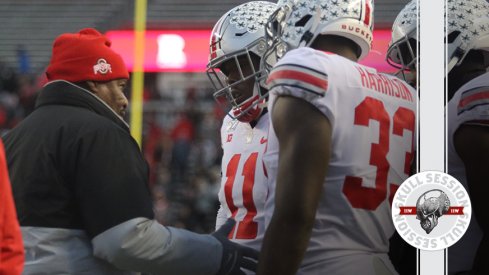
(431, 210)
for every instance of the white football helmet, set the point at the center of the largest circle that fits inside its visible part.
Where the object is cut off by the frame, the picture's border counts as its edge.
(239, 32)
(402, 52)
(296, 23)
(467, 29)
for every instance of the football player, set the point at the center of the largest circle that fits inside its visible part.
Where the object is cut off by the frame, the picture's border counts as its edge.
(402, 51)
(236, 47)
(402, 55)
(340, 142)
(468, 120)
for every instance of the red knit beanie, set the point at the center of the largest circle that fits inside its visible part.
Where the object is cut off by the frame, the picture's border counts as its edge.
(85, 56)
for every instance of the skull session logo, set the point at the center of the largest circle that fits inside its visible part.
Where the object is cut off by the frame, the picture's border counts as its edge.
(431, 210)
(428, 210)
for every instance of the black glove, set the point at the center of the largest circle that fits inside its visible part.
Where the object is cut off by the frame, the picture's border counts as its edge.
(234, 256)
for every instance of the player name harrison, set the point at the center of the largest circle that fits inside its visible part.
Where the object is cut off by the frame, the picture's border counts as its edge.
(385, 85)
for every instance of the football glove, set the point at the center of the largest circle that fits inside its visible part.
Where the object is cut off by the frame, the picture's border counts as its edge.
(234, 256)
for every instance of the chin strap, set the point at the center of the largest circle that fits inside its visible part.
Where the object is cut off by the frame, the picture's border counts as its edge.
(250, 110)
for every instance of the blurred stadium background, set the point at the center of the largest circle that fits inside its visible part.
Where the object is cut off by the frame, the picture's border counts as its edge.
(181, 121)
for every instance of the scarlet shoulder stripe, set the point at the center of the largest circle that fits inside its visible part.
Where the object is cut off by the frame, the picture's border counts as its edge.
(473, 98)
(469, 99)
(298, 76)
(301, 67)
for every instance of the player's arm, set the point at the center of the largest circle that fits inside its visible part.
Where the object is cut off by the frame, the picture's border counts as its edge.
(116, 207)
(472, 145)
(304, 135)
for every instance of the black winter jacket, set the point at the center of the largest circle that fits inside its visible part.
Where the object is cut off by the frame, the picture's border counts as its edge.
(73, 164)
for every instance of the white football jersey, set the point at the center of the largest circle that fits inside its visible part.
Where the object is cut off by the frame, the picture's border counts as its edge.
(244, 188)
(470, 104)
(373, 121)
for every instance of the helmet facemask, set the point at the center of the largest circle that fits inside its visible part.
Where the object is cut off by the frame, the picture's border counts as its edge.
(403, 56)
(402, 53)
(246, 106)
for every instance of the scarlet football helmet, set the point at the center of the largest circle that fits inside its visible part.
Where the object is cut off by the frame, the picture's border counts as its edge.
(240, 32)
(402, 52)
(467, 29)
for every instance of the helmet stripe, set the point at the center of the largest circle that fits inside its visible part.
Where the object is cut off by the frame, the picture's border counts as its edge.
(367, 13)
(213, 46)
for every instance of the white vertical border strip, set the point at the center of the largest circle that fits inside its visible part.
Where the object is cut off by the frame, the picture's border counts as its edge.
(431, 109)
(432, 91)
(445, 82)
(418, 36)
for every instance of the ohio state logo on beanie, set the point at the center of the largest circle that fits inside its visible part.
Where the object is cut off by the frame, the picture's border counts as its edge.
(102, 67)
(84, 56)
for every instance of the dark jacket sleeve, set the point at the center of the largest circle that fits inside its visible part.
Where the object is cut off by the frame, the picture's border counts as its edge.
(110, 179)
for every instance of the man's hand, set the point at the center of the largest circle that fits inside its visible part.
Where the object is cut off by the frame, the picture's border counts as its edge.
(234, 256)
